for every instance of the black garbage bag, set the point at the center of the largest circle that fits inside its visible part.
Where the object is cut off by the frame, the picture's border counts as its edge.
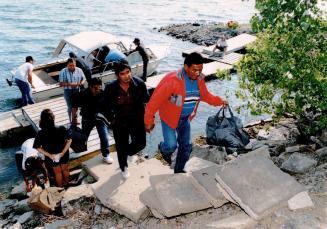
(79, 139)
(226, 131)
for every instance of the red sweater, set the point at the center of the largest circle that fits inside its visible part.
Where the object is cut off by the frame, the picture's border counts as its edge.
(169, 97)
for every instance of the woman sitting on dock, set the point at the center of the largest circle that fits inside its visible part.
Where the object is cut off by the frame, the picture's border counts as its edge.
(54, 143)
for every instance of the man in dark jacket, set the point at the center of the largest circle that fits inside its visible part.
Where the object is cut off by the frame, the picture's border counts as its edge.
(89, 100)
(123, 105)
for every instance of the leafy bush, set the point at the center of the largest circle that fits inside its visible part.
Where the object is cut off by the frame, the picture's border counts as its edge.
(285, 69)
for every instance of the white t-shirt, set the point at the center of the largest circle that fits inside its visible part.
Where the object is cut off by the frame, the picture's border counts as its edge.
(28, 151)
(22, 71)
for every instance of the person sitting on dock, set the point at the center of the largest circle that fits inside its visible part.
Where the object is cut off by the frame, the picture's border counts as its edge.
(221, 45)
(80, 63)
(71, 78)
(24, 80)
(123, 106)
(177, 98)
(54, 142)
(139, 48)
(88, 100)
(31, 164)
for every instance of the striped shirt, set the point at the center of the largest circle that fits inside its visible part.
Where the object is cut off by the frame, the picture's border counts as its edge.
(67, 76)
(192, 95)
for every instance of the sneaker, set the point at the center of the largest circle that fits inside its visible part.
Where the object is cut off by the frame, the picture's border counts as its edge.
(165, 157)
(125, 173)
(108, 159)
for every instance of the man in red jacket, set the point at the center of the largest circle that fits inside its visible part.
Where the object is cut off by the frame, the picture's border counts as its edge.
(177, 98)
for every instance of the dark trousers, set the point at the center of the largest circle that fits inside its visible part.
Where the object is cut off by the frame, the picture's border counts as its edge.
(145, 68)
(123, 132)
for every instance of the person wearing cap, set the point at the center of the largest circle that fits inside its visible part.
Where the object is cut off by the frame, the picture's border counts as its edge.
(31, 164)
(24, 80)
(123, 106)
(80, 63)
(177, 98)
(139, 48)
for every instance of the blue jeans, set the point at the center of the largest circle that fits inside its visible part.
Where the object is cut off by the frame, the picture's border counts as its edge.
(169, 145)
(87, 126)
(26, 91)
(68, 95)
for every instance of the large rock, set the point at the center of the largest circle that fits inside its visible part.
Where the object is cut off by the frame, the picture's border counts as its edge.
(119, 194)
(7, 206)
(207, 178)
(215, 154)
(16, 226)
(196, 163)
(62, 224)
(298, 163)
(239, 221)
(256, 184)
(19, 191)
(179, 194)
(25, 217)
(322, 155)
(299, 201)
(22, 207)
(279, 133)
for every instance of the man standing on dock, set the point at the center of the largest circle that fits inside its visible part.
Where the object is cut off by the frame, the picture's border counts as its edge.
(23, 79)
(177, 98)
(88, 100)
(71, 78)
(139, 48)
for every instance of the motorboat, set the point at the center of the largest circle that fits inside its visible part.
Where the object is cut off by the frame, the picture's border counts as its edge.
(89, 45)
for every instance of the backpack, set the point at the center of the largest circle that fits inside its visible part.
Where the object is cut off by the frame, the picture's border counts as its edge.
(226, 131)
(79, 139)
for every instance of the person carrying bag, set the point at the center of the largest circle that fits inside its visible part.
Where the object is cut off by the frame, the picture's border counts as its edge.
(226, 131)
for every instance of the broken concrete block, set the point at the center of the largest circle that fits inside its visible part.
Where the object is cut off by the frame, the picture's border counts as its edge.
(67, 224)
(74, 193)
(301, 200)
(298, 163)
(123, 195)
(207, 178)
(239, 221)
(149, 198)
(179, 194)
(196, 163)
(256, 184)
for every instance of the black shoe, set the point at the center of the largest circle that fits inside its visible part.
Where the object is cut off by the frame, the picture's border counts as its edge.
(165, 157)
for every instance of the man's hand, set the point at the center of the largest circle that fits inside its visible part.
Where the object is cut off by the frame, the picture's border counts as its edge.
(149, 127)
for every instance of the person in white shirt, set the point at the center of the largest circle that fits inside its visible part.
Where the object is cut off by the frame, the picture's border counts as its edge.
(23, 79)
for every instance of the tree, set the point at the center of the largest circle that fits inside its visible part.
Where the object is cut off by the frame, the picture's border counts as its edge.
(285, 69)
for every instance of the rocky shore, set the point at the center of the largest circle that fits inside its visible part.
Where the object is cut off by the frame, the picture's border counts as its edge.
(203, 34)
(307, 163)
(304, 160)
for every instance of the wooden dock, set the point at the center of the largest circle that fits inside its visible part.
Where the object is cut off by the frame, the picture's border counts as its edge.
(59, 108)
(234, 44)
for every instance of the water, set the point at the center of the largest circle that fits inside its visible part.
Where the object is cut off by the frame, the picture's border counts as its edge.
(36, 27)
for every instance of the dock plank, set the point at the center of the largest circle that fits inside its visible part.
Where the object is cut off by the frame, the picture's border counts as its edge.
(234, 44)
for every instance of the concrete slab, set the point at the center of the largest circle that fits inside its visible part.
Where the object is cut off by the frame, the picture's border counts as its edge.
(196, 163)
(299, 201)
(257, 184)
(118, 194)
(149, 198)
(179, 194)
(207, 178)
(239, 221)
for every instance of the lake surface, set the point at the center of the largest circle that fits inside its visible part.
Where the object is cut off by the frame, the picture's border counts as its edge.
(36, 27)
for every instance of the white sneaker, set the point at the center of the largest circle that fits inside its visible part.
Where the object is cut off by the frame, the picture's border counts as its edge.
(108, 159)
(125, 173)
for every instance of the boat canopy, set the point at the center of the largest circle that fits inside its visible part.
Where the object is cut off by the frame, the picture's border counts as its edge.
(86, 42)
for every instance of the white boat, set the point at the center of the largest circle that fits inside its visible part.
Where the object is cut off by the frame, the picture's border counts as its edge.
(88, 45)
